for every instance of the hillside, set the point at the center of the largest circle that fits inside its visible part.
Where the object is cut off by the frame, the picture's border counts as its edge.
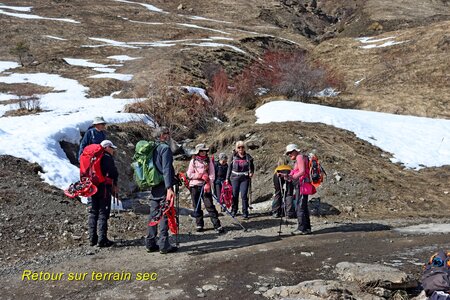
(86, 58)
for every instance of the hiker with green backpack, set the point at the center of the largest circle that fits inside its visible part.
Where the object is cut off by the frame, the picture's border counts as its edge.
(153, 168)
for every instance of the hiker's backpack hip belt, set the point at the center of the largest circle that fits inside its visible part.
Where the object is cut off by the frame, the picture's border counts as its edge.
(240, 173)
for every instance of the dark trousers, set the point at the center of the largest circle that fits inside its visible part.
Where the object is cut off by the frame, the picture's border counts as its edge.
(157, 199)
(302, 211)
(218, 188)
(197, 195)
(240, 184)
(99, 213)
(278, 207)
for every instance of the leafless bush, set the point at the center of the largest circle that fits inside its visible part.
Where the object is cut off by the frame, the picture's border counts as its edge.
(185, 114)
(22, 50)
(30, 103)
(295, 75)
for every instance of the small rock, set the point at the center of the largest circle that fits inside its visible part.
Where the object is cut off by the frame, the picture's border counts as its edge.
(201, 295)
(338, 178)
(257, 292)
(22, 231)
(76, 237)
(422, 199)
(249, 287)
(180, 7)
(263, 289)
(445, 192)
(209, 287)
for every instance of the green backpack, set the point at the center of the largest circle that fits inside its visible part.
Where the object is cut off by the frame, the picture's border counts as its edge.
(145, 172)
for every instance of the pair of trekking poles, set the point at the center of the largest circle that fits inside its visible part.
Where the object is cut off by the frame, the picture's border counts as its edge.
(283, 191)
(224, 208)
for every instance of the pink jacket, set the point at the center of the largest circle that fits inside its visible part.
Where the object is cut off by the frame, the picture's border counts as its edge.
(299, 167)
(198, 167)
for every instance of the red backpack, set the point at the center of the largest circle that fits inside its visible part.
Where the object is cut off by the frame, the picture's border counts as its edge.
(90, 164)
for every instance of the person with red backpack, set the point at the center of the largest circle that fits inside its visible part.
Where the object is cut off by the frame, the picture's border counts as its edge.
(201, 174)
(101, 200)
(240, 172)
(300, 176)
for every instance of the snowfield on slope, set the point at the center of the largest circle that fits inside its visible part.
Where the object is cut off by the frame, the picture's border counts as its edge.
(415, 142)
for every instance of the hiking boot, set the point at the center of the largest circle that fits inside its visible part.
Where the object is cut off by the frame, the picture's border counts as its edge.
(105, 243)
(233, 214)
(276, 215)
(245, 217)
(93, 241)
(199, 229)
(219, 229)
(299, 232)
(152, 249)
(170, 250)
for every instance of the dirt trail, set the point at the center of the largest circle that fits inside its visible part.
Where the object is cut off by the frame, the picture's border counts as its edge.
(233, 265)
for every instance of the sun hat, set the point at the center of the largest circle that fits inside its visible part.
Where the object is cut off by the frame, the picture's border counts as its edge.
(200, 147)
(98, 120)
(108, 143)
(290, 148)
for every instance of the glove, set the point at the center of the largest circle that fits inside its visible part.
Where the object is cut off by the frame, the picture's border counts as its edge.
(207, 188)
(205, 178)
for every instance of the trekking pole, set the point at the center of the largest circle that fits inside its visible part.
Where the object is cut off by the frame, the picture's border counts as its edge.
(118, 204)
(284, 201)
(281, 219)
(177, 215)
(250, 194)
(228, 212)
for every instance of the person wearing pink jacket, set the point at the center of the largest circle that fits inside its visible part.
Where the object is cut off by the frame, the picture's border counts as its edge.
(201, 174)
(298, 172)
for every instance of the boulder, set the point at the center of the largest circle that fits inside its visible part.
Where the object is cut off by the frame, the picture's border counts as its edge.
(374, 275)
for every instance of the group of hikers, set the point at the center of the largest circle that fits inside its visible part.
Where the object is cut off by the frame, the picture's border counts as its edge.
(206, 179)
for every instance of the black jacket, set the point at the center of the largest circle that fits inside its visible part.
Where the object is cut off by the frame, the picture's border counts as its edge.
(109, 167)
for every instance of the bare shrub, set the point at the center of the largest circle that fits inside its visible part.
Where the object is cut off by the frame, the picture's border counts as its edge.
(297, 76)
(22, 50)
(30, 103)
(185, 114)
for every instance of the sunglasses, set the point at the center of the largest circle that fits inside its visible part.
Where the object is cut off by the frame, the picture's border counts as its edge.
(289, 153)
(241, 147)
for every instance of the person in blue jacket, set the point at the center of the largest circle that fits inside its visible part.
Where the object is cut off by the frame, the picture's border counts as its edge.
(94, 135)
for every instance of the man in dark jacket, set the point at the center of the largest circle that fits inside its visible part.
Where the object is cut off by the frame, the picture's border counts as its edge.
(101, 201)
(163, 160)
(94, 135)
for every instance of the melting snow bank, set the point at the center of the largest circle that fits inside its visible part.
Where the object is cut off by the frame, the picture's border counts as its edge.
(68, 111)
(429, 228)
(5, 65)
(414, 141)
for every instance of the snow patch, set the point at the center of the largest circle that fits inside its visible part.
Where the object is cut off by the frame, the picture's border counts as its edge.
(430, 228)
(16, 8)
(117, 76)
(55, 38)
(36, 17)
(201, 27)
(123, 58)
(83, 63)
(67, 112)
(403, 136)
(216, 45)
(6, 65)
(147, 6)
(196, 90)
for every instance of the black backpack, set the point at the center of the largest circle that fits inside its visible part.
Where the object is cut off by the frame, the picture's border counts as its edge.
(436, 273)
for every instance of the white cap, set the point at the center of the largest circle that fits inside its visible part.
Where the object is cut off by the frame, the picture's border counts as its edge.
(290, 148)
(108, 143)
